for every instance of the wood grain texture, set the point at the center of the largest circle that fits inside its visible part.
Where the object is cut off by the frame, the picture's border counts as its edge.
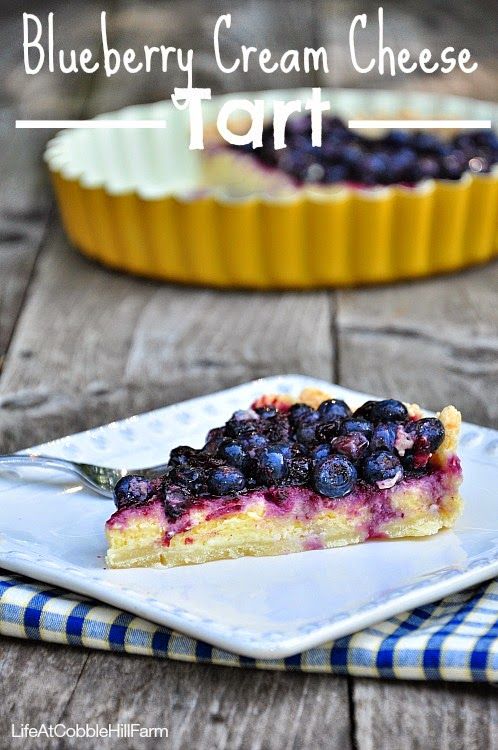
(434, 342)
(36, 683)
(425, 716)
(211, 707)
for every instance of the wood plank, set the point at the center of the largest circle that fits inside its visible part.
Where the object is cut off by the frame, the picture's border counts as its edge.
(425, 716)
(434, 342)
(207, 707)
(36, 684)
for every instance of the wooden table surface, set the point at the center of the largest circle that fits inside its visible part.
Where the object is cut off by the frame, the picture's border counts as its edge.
(80, 345)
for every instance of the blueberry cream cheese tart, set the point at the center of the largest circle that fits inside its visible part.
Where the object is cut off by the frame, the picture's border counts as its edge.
(287, 475)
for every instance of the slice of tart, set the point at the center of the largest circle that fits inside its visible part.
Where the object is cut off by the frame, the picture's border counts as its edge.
(288, 475)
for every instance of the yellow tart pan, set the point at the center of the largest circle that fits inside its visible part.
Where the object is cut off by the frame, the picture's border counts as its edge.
(136, 200)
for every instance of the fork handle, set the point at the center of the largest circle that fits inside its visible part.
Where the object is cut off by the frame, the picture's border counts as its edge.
(49, 462)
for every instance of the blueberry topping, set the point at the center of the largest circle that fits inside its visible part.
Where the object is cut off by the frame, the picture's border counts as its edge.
(271, 465)
(357, 424)
(333, 409)
(233, 453)
(226, 480)
(383, 469)
(320, 452)
(398, 156)
(354, 445)
(384, 437)
(327, 449)
(334, 477)
(131, 490)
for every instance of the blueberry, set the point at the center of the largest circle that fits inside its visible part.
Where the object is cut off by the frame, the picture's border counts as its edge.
(336, 173)
(453, 165)
(320, 452)
(357, 424)
(486, 139)
(182, 455)
(297, 412)
(217, 433)
(429, 434)
(233, 453)
(398, 138)
(191, 478)
(383, 469)
(327, 431)
(226, 480)
(384, 437)
(213, 441)
(365, 410)
(306, 429)
(266, 412)
(352, 154)
(271, 465)
(354, 445)
(428, 168)
(242, 428)
(287, 449)
(277, 429)
(131, 490)
(375, 165)
(388, 410)
(334, 477)
(402, 162)
(428, 142)
(333, 409)
(254, 442)
(415, 463)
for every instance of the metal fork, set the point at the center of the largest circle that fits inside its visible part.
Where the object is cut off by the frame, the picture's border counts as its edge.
(100, 479)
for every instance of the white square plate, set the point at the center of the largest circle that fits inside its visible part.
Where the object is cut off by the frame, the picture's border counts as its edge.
(270, 607)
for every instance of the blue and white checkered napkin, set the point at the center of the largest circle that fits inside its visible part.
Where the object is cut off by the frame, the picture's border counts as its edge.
(454, 639)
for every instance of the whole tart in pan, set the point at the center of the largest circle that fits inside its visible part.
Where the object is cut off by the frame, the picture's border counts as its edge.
(368, 210)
